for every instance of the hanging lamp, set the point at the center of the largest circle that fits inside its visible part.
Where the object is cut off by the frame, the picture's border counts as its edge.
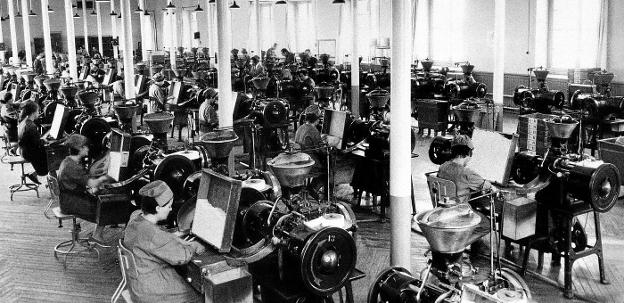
(234, 5)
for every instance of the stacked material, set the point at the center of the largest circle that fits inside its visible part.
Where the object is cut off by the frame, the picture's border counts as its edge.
(533, 134)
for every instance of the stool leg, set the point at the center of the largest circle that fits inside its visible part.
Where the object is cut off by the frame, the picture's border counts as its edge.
(525, 259)
(598, 247)
(540, 260)
(349, 292)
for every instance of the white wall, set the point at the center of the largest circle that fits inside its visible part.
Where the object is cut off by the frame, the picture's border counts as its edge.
(478, 29)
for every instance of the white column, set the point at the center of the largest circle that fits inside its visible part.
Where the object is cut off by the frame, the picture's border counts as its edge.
(47, 40)
(400, 134)
(224, 36)
(499, 51)
(85, 24)
(114, 27)
(174, 39)
(26, 24)
(541, 33)
(194, 29)
(126, 17)
(2, 53)
(258, 33)
(14, 48)
(355, 64)
(71, 40)
(144, 34)
(98, 11)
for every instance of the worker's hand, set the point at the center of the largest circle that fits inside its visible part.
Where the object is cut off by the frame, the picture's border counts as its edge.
(494, 189)
(332, 141)
(199, 248)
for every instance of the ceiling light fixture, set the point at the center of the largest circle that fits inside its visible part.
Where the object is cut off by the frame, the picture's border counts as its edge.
(138, 9)
(31, 13)
(170, 6)
(234, 5)
(281, 2)
(113, 13)
(145, 13)
(338, 2)
(50, 10)
(198, 9)
(76, 16)
(93, 13)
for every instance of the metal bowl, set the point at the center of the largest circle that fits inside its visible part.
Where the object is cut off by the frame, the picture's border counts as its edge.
(467, 68)
(69, 91)
(126, 112)
(218, 143)
(159, 123)
(291, 169)
(445, 239)
(260, 82)
(602, 78)
(378, 97)
(560, 130)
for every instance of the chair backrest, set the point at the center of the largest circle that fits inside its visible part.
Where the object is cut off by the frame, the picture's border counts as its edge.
(440, 188)
(55, 193)
(127, 263)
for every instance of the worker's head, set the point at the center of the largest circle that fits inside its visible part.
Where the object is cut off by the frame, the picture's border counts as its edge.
(29, 109)
(302, 74)
(235, 52)
(312, 113)
(461, 148)
(255, 59)
(159, 79)
(324, 59)
(77, 145)
(244, 51)
(284, 52)
(156, 199)
(311, 118)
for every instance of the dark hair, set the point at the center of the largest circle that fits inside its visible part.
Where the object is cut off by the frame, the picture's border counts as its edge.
(148, 205)
(7, 97)
(302, 72)
(462, 151)
(28, 108)
(284, 50)
(311, 117)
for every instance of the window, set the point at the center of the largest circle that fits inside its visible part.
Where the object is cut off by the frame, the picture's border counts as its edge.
(574, 32)
(447, 32)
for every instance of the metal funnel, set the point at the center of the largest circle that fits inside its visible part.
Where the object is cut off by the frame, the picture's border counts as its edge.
(452, 235)
(561, 130)
(467, 68)
(602, 78)
(541, 74)
(40, 79)
(378, 97)
(52, 84)
(29, 76)
(324, 91)
(467, 114)
(260, 83)
(218, 143)
(69, 91)
(159, 123)
(427, 64)
(126, 112)
(88, 98)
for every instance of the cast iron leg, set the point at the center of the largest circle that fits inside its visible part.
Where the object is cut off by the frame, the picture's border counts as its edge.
(568, 256)
(598, 247)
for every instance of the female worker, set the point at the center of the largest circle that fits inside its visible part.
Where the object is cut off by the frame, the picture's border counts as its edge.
(30, 142)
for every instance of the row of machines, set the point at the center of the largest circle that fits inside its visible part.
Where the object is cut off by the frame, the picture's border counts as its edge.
(293, 244)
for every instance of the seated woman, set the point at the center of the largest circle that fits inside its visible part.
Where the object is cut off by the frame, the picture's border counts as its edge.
(30, 142)
(74, 181)
(466, 180)
(156, 251)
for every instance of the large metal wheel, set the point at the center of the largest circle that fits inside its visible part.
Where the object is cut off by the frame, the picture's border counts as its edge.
(516, 282)
(394, 278)
(327, 260)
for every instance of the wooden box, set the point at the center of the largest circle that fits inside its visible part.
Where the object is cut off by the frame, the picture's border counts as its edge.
(519, 217)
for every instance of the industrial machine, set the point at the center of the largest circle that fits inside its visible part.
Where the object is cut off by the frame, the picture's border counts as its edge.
(601, 112)
(539, 99)
(448, 277)
(467, 87)
(567, 185)
(429, 84)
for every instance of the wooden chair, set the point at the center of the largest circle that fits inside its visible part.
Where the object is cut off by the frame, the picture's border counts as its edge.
(127, 263)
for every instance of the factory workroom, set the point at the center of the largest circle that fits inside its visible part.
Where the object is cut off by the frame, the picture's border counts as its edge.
(311, 151)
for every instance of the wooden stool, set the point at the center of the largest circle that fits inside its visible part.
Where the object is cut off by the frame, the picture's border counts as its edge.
(23, 185)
